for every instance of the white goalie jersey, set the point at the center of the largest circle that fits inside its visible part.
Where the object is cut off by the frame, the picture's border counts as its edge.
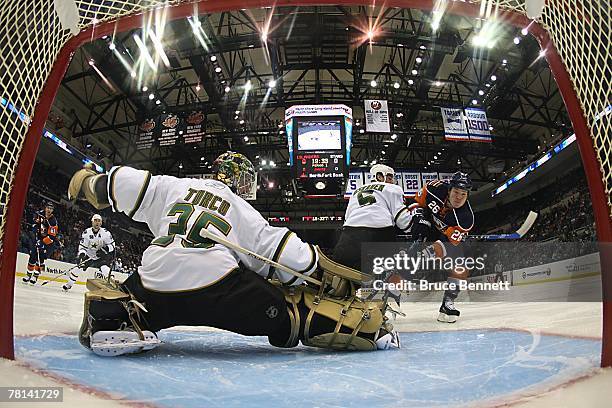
(176, 210)
(92, 241)
(377, 205)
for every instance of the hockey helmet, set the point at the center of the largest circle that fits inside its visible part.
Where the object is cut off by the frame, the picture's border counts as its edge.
(236, 171)
(382, 169)
(461, 181)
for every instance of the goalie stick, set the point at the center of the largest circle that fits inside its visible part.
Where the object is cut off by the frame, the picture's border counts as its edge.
(518, 234)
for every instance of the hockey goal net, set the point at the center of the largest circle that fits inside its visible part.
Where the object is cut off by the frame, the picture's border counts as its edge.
(36, 50)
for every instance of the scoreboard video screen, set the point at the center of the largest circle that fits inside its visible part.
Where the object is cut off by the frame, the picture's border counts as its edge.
(319, 135)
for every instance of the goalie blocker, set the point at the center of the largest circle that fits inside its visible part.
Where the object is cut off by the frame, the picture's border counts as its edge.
(120, 319)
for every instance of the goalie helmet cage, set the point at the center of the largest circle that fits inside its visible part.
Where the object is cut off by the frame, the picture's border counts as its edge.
(36, 52)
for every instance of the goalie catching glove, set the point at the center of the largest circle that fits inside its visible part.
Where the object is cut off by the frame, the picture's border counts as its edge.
(88, 184)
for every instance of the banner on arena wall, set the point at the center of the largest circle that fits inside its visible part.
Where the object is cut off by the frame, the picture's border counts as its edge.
(445, 176)
(455, 128)
(478, 125)
(354, 181)
(411, 183)
(427, 177)
(169, 129)
(377, 116)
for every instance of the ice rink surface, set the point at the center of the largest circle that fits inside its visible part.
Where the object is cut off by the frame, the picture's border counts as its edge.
(521, 354)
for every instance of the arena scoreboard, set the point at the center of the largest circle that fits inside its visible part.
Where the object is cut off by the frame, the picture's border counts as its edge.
(319, 142)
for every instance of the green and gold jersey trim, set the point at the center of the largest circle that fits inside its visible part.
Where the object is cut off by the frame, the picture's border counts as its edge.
(141, 194)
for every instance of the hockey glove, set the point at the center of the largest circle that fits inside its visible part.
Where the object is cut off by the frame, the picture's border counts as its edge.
(419, 225)
(83, 184)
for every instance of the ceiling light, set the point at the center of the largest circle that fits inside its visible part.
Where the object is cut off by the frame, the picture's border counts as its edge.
(419, 60)
(480, 92)
(504, 62)
(394, 136)
(517, 40)
(198, 88)
(493, 78)
(361, 131)
(248, 85)
(246, 138)
(373, 83)
(227, 89)
(423, 47)
(272, 163)
(213, 58)
(396, 85)
(410, 82)
(112, 46)
(542, 53)
(157, 102)
(218, 69)
(474, 102)
(237, 112)
(524, 31)
(438, 83)
(151, 96)
(414, 72)
(272, 83)
(242, 121)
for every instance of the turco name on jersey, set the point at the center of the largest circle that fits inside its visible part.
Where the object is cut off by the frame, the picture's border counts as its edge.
(377, 205)
(177, 209)
(454, 224)
(91, 242)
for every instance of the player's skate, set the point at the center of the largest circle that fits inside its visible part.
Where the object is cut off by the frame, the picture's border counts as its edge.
(448, 312)
(66, 287)
(34, 278)
(26, 279)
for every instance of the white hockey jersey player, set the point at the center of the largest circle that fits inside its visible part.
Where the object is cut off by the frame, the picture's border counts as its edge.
(176, 210)
(96, 250)
(93, 241)
(378, 205)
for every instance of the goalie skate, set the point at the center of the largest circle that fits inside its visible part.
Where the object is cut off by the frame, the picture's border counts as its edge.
(119, 342)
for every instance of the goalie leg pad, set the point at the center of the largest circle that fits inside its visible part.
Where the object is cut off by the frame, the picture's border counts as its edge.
(111, 323)
(339, 324)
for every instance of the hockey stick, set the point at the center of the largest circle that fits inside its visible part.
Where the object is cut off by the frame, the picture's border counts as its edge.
(65, 273)
(518, 234)
(207, 234)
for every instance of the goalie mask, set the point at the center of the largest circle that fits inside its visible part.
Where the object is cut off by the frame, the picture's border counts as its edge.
(236, 171)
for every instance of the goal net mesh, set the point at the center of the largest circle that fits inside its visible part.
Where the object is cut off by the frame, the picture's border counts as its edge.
(31, 37)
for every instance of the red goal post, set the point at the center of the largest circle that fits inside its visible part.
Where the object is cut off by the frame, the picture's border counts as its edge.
(36, 52)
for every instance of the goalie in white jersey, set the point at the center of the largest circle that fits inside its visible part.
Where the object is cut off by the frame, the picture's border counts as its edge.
(373, 212)
(186, 279)
(96, 250)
